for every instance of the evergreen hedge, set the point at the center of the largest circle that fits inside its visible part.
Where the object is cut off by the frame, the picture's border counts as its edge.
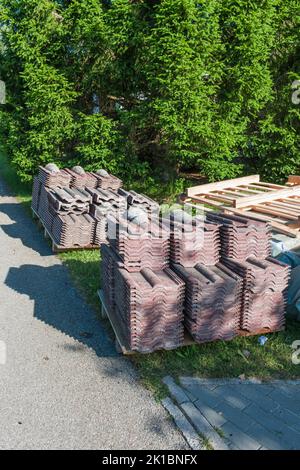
(152, 86)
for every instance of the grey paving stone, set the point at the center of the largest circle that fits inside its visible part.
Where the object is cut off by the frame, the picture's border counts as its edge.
(199, 382)
(235, 416)
(275, 425)
(183, 424)
(268, 439)
(286, 390)
(259, 395)
(292, 404)
(176, 392)
(290, 418)
(209, 397)
(268, 420)
(240, 439)
(232, 396)
(215, 419)
(203, 426)
(191, 396)
(292, 382)
(213, 383)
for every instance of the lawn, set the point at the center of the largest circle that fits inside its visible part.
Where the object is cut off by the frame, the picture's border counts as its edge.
(220, 359)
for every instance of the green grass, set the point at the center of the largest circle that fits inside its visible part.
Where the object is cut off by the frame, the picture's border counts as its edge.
(220, 359)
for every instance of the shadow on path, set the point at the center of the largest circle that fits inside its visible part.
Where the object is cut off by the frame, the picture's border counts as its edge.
(57, 303)
(23, 228)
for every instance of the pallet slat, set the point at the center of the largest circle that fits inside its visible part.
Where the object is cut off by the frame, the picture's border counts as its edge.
(207, 188)
(275, 203)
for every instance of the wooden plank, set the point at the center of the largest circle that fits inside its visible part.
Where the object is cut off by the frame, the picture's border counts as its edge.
(205, 200)
(292, 201)
(227, 184)
(199, 208)
(278, 213)
(248, 189)
(281, 205)
(231, 192)
(279, 227)
(262, 190)
(271, 185)
(263, 331)
(256, 199)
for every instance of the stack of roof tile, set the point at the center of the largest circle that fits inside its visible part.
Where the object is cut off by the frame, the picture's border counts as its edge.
(52, 177)
(43, 209)
(106, 181)
(242, 237)
(105, 201)
(36, 193)
(145, 295)
(147, 304)
(69, 201)
(110, 261)
(140, 201)
(139, 246)
(81, 178)
(73, 230)
(76, 192)
(213, 302)
(264, 296)
(194, 242)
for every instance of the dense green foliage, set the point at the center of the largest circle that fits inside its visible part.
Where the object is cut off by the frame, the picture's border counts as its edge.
(145, 87)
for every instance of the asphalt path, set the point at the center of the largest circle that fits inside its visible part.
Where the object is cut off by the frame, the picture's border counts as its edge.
(62, 385)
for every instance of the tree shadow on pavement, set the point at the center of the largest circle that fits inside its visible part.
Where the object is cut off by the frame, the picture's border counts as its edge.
(58, 304)
(23, 228)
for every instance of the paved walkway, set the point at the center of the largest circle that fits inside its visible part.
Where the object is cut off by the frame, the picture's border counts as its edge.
(235, 414)
(62, 386)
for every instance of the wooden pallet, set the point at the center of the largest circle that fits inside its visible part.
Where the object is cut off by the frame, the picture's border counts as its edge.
(277, 204)
(55, 247)
(121, 343)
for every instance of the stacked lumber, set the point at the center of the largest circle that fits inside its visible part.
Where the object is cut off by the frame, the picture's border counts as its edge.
(274, 203)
